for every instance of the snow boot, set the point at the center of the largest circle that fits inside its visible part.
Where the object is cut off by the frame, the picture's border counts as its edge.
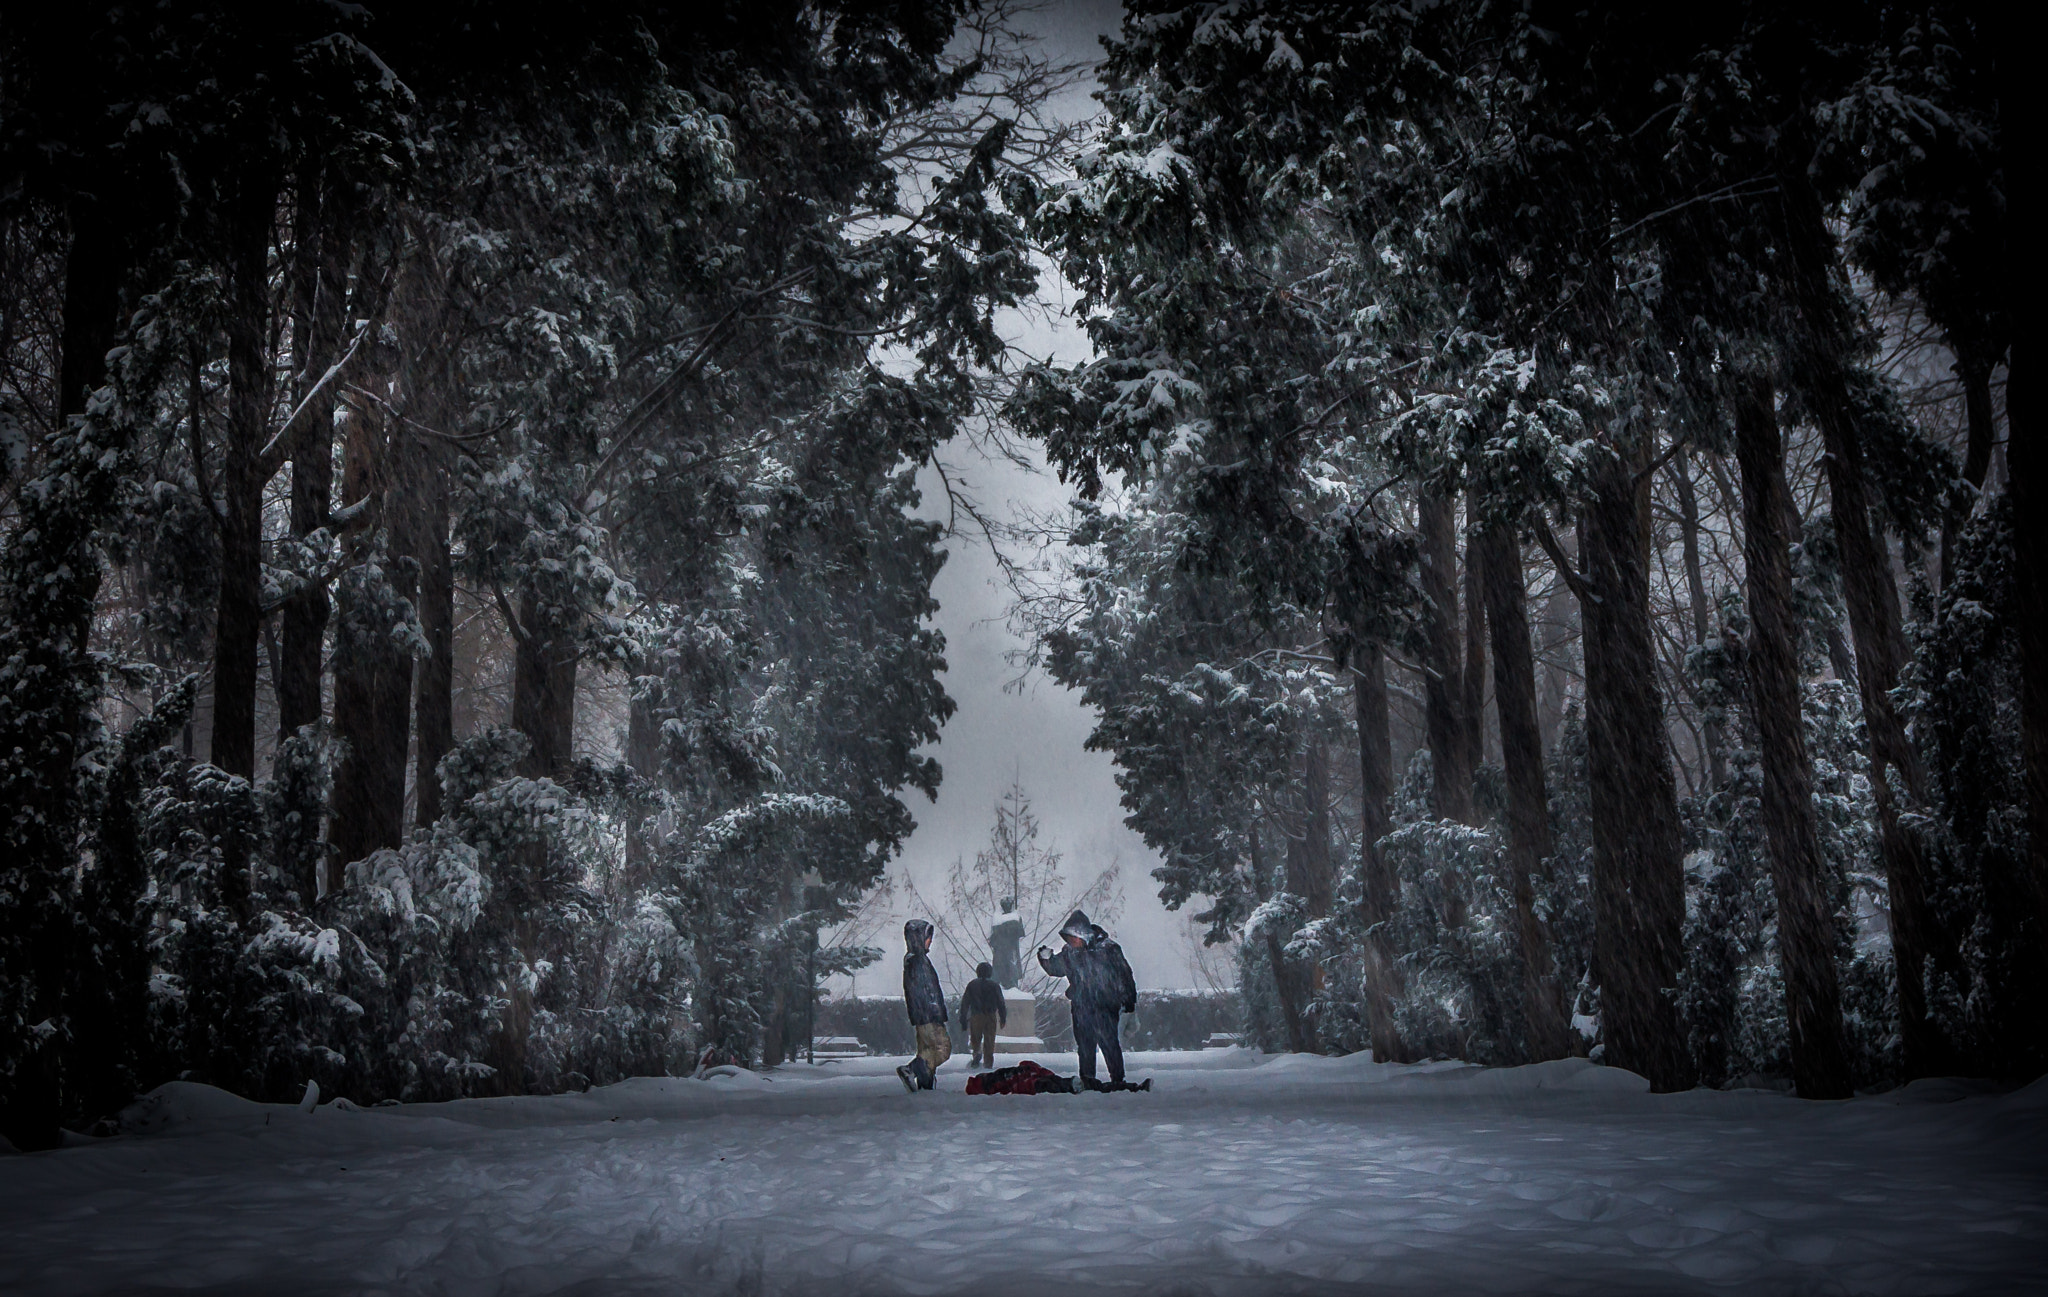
(908, 1077)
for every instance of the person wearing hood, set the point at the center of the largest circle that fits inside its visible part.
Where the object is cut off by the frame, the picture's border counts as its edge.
(926, 1003)
(1100, 987)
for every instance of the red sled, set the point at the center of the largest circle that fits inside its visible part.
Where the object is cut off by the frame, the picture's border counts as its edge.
(1026, 1077)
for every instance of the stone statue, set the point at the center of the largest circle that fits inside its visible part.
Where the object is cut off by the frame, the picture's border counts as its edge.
(1005, 943)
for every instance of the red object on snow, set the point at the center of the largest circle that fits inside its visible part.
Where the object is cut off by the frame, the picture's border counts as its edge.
(1026, 1077)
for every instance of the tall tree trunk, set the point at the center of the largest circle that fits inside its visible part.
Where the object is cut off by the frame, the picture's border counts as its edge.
(239, 612)
(1499, 560)
(50, 689)
(1309, 872)
(1813, 1001)
(1638, 874)
(322, 259)
(775, 1032)
(372, 674)
(1819, 346)
(1443, 672)
(434, 709)
(643, 754)
(1975, 371)
(1473, 704)
(1381, 889)
(1320, 872)
(95, 267)
(544, 693)
(1560, 633)
(1284, 982)
(2025, 1025)
(94, 955)
(509, 1051)
(1702, 612)
(543, 709)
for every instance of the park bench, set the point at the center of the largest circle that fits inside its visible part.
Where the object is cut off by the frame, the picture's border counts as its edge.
(832, 1049)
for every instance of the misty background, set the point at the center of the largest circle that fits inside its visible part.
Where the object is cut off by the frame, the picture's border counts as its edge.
(1014, 725)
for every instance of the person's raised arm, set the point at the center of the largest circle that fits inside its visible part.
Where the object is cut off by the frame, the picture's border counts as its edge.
(1055, 965)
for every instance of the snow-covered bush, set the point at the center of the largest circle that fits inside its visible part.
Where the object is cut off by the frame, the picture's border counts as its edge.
(1963, 692)
(247, 993)
(1732, 992)
(1455, 931)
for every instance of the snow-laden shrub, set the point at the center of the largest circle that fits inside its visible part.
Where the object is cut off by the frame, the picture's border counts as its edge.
(1455, 933)
(1724, 925)
(1334, 946)
(302, 774)
(507, 873)
(1962, 695)
(487, 944)
(1731, 990)
(247, 993)
(737, 916)
(1262, 1024)
(417, 908)
(1870, 1018)
(1277, 921)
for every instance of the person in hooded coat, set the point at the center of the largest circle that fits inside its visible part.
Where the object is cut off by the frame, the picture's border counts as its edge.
(981, 1005)
(926, 1003)
(1100, 988)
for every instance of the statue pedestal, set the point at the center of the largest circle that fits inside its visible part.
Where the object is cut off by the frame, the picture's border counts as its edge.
(1020, 1027)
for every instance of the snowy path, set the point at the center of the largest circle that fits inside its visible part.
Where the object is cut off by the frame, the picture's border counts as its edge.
(1238, 1176)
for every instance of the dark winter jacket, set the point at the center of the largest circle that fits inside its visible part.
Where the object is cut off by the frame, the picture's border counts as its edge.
(1098, 976)
(983, 995)
(921, 993)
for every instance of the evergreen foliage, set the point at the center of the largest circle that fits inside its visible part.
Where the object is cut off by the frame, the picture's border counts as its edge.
(1359, 274)
(367, 365)
(465, 627)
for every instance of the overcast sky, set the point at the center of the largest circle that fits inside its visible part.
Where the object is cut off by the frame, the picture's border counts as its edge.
(1034, 732)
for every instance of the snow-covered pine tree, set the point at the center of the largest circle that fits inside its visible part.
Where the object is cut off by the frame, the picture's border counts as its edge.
(617, 328)
(1376, 171)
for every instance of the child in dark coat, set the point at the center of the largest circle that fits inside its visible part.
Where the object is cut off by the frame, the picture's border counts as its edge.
(981, 1004)
(926, 1003)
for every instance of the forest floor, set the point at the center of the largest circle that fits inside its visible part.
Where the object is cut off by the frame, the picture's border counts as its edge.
(1238, 1174)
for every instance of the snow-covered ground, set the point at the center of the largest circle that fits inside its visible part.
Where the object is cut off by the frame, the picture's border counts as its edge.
(1237, 1175)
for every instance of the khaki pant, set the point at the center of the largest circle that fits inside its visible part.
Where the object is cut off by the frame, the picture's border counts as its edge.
(932, 1045)
(981, 1037)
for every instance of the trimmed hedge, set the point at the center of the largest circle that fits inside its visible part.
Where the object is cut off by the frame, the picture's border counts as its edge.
(1164, 1020)
(1182, 1019)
